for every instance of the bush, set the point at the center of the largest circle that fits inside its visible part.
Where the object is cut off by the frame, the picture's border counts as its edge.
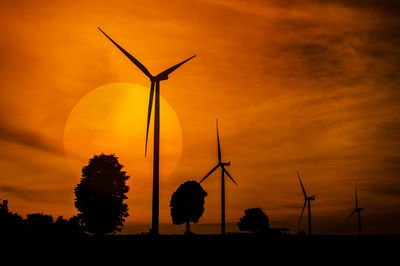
(254, 220)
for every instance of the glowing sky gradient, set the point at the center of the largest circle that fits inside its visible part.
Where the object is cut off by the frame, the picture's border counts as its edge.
(308, 85)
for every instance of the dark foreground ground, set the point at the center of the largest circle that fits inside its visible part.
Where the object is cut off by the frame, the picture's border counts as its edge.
(247, 249)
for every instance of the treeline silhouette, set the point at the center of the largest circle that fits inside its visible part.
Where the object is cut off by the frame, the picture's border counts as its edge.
(99, 199)
(12, 224)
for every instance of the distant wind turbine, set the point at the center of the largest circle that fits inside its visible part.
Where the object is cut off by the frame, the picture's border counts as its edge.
(307, 201)
(358, 211)
(223, 171)
(155, 83)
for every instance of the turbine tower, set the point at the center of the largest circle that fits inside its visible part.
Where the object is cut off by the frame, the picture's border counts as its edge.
(307, 200)
(155, 85)
(223, 172)
(358, 211)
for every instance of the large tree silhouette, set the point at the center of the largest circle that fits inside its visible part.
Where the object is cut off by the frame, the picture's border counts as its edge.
(187, 203)
(254, 220)
(100, 195)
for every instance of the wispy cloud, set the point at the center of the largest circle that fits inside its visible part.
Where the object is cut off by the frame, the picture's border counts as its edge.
(30, 194)
(25, 137)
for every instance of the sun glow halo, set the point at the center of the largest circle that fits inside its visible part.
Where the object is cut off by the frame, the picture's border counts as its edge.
(112, 119)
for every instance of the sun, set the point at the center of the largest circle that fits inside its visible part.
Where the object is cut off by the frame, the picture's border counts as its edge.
(112, 119)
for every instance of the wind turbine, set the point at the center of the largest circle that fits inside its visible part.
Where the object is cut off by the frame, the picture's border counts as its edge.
(223, 172)
(358, 211)
(307, 200)
(155, 84)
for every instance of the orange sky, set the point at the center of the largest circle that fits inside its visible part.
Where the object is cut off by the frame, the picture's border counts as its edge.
(310, 85)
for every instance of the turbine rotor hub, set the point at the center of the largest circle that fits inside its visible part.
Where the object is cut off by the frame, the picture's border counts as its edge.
(161, 77)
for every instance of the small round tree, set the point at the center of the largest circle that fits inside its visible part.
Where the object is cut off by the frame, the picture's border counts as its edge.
(100, 195)
(254, 220)
(187, 204)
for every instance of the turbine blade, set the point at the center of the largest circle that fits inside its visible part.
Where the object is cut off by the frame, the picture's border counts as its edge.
(351, 214)
(301, 216)
(172, 69)
(219, 146)
(209, 173)
(301, 184)
(355, 191)
(149, 115)
(226, 172)
(134, 60)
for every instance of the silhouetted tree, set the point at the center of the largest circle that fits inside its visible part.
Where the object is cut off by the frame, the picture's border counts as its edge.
(39, 223)
(254, 220)
(60, 223)
(302, 233)
(100, 195)
(10, 223)
(187, 203)
(69, 228)
(75, 225)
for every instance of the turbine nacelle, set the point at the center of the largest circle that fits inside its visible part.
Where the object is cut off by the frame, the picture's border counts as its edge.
(310, 198)
(161, 77)
(224, 164)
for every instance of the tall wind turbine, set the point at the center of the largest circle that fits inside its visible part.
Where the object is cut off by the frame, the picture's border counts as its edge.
(358, 211)
(307, 200)
(223, 172)
(155, 84)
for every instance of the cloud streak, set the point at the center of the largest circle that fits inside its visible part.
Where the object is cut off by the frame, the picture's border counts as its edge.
(32, 195)
(24, 137)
